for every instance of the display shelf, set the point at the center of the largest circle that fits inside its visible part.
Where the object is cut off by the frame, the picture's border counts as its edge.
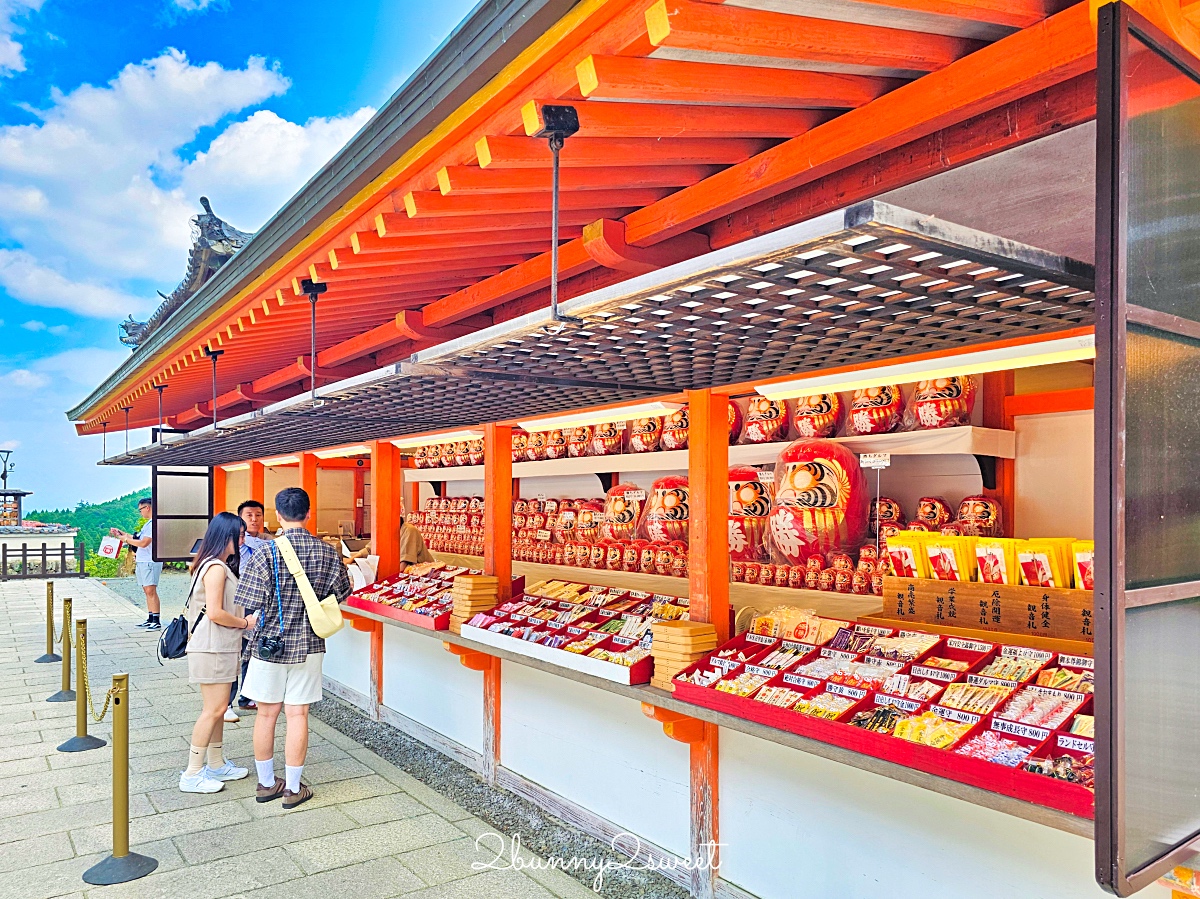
(831, 605)
(1033, 641)
(945, 441)
(638, 673)
(984, 798)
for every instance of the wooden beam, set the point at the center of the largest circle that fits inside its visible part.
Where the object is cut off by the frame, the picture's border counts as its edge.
(676, 81)
(369, 243)
(364, 344)
(704, 770)
(344, 260)
(397, 226)
(736, 30)
(1010, 13)
(497, 562)
(470, 179)
(708, 535)
(514, 282)
(407, 276)
(220, 501)
(661, 120)
(1045, 54)
(386, 486)
(284, 377)
(604, 241)
(412, 325)
(258, 486)
(308, 483)
(594, 152)
(431, 203)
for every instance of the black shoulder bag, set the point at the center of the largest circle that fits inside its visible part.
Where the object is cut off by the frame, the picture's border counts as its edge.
(174, 640)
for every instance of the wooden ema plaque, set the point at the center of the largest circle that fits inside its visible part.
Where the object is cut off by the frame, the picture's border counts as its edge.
(1036, 611)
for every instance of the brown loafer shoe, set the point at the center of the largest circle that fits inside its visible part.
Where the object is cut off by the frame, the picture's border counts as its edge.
(267, 794)
(302, 795)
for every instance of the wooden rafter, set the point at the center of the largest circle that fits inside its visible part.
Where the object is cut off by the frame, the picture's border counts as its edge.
(369, 243)
(1010, 13)
(470, 179)
(420, 204)
(663, 120)
(595, 152)
(398, 226)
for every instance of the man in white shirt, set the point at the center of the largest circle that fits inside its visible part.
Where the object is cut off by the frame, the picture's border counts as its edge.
(148, 571)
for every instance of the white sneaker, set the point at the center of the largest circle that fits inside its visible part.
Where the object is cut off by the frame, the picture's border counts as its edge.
(231, 716)
(228, 771)
(199, 783)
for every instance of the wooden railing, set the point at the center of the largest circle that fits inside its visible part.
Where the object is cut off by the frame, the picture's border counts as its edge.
(42, 561)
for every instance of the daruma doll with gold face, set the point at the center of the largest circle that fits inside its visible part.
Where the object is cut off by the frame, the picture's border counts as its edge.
(475, 451)
(876, 410)
(606, 439)
(535, 448)
(817, 416)
(667, 511)
(885, 511)
(943, 402)
(645, 435)
(749, 506)
(462, 453)
(579, 441)
(675, 430)
(556, 444)
(981, 516)
(766, 420)
(622, 509)
(421, 457)
(520, 440)
(735, 422)
(820, 501)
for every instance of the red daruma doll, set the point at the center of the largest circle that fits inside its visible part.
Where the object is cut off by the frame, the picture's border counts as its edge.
(749, 506)
(606, 439)
(579, 442)
(475, 451)
(622, 509)
(520, 440)
(556, 444)
(817, 416)
(645, 435)
(587, 522)
(980, 516)
(820, 500)
(876, 410)
(675, 430)
(766, 420)
(667, 511)
(943, 402)
(735, 422)
(421, 457)
(535, 448)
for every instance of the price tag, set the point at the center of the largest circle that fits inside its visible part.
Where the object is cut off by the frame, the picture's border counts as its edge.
(1028, 731)
(905, 705)
(980, 680)
(969, 645)
(541, 497)
(760, 671)
(1077, 662)
(638, 594)
(875, 460)
(1079, 744)
(802, 648)
(766, 476)
(890, 664)
(1065, 695)
(577, 631)
(843, 690)
(800, 680)
(662, 597)
(759, 638)
(872, 631)
(938, 674)
(725, 665)
(955, 715)
(828, 653)
(636, 495)
(1021, 652)
(624, 642)
(543, 535)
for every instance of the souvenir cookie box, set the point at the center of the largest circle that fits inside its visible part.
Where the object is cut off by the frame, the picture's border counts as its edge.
(968, 710)
(420, 597)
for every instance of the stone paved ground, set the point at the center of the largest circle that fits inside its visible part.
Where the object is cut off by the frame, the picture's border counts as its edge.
(371, 832)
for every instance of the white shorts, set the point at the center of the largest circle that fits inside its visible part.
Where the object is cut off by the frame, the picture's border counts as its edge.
(148, 573)
(297, 684)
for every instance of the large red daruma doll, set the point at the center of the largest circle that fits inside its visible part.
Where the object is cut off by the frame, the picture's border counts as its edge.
(817, 416)
(821, 500)
(943, 402)
(667, 511)
(735, 422)
(766, 420)
(876, 410)
(587, 522)
(622, 509)
(749, 508)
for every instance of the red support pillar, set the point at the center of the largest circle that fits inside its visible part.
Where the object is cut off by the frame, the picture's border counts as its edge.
(386, 487)
(497, 562)
(308, 483)
(258, 482)
(220, 501)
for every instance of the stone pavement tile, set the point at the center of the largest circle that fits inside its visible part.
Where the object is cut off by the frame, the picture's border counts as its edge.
(213, 880)
(22, 766)
(548, 874)
(489, 884)
(392, 807)
(434, 800)
(171, 799)
(8, 741)
(376, 879)
(163, 825)
(344, 794)
(24, 803)
(17, 699)
(95, 773)
(15, 716)
(444, 862)
(38, 850)
(58, 820)
(376, 841)
(226, 842)
(49, 711)
(33, 749)
(337, 769)
(66, 877)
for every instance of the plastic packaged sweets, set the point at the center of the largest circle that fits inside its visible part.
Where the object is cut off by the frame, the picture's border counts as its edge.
(702, 678)
(1084, 726)
(824, 705)
(945, 664)
(929, 729)
(1040, 707)
(1080, 771)
(861, 674)
(626, 658)
(1068, 679)
(970, 698)
(781, 658)
(583, 644)
(781, 696)
(993, 747)
(882, 720)
(742, 684)
(1011, 668)
(902, 649)
(820, 668)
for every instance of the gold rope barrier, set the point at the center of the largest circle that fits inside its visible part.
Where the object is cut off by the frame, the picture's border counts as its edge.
(66, 694)
(51, 637)
(82, 741)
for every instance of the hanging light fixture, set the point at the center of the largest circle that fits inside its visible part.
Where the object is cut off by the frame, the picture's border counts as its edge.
(558, 123)
(313, 289)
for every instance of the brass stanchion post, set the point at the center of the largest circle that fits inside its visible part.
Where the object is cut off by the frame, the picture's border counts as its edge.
(122, 865)
(51, 655)
(82, 740)
(66, 694)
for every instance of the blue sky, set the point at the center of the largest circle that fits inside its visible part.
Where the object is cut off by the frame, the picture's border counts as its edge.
(114, 119)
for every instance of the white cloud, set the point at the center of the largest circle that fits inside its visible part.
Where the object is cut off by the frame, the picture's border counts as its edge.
(194, 5)
(11, 58)
(23, 378)
(58, 330)
(10, 444)
(34, 325)
(99, 192)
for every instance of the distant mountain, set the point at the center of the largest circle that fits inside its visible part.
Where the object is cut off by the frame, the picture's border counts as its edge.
(94, 519)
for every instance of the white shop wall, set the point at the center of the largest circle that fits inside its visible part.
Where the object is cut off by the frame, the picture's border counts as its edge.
(1054, 472)
(581, 486)
(237, 488)
(335, 499)
(274, 480)
(348, 662)
(428, 685)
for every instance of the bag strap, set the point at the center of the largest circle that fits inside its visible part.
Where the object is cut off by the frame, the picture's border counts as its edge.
(296, 569)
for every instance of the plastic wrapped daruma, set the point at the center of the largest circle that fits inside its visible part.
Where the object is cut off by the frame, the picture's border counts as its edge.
(535, 447)
(885, 511)
(735, 422)
(622, 508)
(818, 415)
(667, 510)
(564, 526)
(820, 501)
(587, 522)
(606, 439)
(421, 457)
(675, 430)
(942, 403)
(766, 420)
(749, 508)
(520, 440)
(876, 410)
(645, 435)
(462, 453)
(475, 451)
(980, 516)
(556, 444)
(579, 442)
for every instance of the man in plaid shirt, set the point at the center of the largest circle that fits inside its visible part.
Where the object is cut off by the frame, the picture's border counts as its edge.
(285, 655)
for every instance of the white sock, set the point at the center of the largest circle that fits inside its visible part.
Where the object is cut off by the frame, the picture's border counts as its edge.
(216, 756)
(266, 772)
(291, 777)
(195, 760)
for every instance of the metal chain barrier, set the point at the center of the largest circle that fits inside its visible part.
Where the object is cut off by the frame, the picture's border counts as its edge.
(87, 686)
